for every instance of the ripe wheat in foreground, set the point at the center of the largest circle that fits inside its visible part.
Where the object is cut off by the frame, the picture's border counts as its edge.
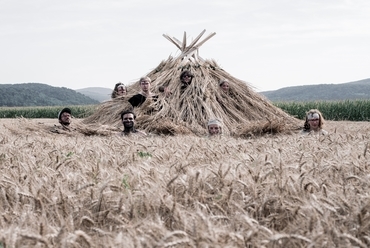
(185, 191)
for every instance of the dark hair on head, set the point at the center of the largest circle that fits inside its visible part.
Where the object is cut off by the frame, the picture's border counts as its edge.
(222, 81)
(115, 90)
(68, 110)
(128, 112)
(186, 73)
(117, 85)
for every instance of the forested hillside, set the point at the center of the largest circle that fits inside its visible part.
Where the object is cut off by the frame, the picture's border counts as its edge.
(36, 94)
(323, 92)
(98, 93)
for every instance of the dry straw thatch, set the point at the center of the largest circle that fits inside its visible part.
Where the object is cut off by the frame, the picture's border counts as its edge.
(242, 111)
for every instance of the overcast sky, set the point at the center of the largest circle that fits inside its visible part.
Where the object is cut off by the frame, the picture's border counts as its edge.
(269, 43)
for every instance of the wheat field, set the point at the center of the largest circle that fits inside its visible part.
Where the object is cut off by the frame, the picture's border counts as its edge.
(184, 191)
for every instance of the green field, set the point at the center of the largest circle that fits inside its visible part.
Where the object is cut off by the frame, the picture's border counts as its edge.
(79, 111)
(354, 110)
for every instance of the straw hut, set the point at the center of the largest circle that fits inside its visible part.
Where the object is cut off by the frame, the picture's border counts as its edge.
(242, 111)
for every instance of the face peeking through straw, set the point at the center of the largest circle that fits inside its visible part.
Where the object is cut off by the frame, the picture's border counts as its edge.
(314, 122)
(128, 121)
(145, 85)
(65, 117)
(224, 85)
(121, 90)
(214, 127)
(186, 77)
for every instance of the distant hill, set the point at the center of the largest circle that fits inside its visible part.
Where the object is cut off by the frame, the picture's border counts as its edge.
(321, 92)
(98, 93)
(36, 94)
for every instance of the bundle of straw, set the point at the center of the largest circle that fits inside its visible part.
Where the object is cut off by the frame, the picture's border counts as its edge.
(241, 109)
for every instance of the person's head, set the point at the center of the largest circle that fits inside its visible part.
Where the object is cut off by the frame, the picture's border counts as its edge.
(145, 84)
(65, 116)
(128, 119)
(314, 120)
(119, 90)
(214, 127)
(224, 84)
(186, 77)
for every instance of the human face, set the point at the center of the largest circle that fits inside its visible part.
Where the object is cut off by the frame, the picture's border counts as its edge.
(145, 86)
(121, 90)
(225, 86)
(187, 79)
(214, 129)
(65, 118)
(128, 120)
(314, 124)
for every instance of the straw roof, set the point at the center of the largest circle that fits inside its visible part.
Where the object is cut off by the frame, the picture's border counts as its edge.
(242, 111)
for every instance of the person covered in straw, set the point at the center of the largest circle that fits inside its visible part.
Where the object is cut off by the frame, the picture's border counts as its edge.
(224, 85)
(138, 99)
(65, 120)
(186, 77)
(314, 123)
(119, 90)
(128, 118)
(214, 127)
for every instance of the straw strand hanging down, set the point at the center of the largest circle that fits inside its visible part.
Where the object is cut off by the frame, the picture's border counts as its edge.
(242, 111)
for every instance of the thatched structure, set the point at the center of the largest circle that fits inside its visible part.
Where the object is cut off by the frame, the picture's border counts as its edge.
(242, 111)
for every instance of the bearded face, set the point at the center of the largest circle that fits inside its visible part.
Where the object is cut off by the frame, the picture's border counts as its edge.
(186, 79)
(313, 120)
(65, 118)
(128, 121)
(214, 129)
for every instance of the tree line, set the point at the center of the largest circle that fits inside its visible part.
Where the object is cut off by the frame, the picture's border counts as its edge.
(36, 94)
(359, 90)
